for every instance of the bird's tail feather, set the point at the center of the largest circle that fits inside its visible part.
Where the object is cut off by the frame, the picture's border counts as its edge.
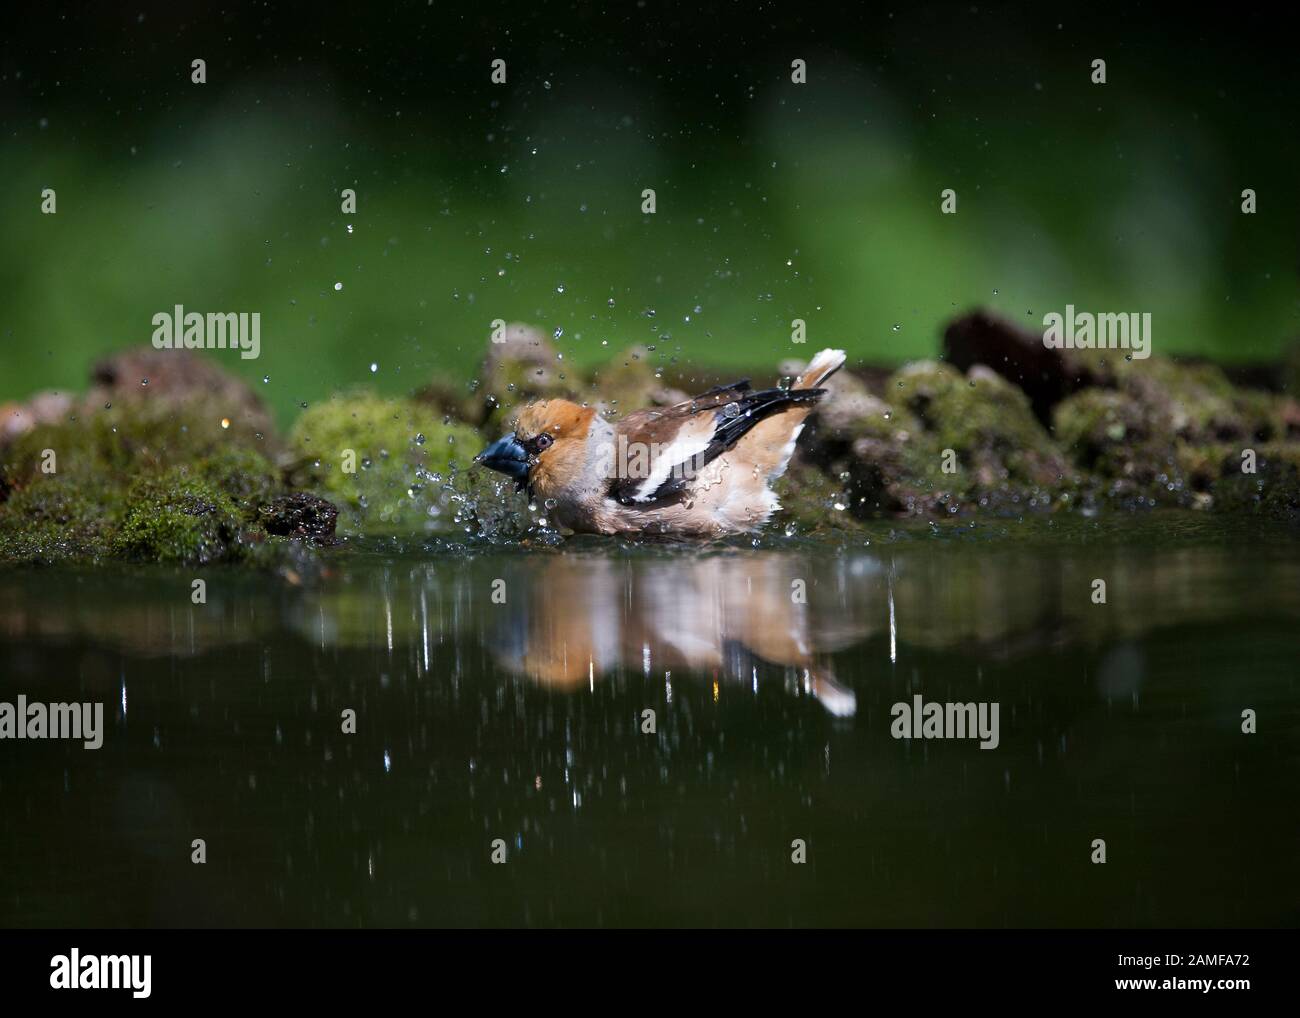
(821, 367)
(771, 443)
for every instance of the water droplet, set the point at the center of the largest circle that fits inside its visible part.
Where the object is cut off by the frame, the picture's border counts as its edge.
(373, 367)
(338, 286)
(420, 439)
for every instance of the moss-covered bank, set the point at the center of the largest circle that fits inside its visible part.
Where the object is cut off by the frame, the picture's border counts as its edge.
(167, 458)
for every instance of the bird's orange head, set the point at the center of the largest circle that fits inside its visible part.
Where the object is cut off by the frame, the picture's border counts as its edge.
(547, 448)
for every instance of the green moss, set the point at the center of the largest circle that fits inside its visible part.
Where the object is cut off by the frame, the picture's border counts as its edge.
(59, 519)
(813, 501)
(247, 477)
(1161, 437)
(179, 518)
(134, 483)
(1272, 490)
(1198, 403)
(402, 452)
(139, 436)
(958, 442)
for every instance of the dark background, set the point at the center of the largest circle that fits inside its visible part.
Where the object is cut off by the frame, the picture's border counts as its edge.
(522, 201)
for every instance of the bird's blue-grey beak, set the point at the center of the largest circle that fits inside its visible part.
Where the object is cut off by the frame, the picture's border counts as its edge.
(508, 456)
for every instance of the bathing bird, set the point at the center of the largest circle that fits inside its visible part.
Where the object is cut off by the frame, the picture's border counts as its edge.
(701, 468)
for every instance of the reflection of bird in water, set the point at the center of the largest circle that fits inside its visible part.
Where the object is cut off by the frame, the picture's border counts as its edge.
(579, 618)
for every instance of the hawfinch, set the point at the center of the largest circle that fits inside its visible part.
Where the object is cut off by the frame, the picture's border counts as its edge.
(701, 468)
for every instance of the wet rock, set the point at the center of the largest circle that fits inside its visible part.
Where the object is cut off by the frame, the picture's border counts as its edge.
(300, 514)
(1004, 458)
(62, 519)
(174, 518)
(161, 477)
(1272, 490)
(941, 442)
(1045, 375)
(1146, 440)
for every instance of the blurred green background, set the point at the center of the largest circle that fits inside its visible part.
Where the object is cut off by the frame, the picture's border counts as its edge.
(522, 201)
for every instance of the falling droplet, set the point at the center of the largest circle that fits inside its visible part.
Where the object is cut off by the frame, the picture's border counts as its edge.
(338, 286)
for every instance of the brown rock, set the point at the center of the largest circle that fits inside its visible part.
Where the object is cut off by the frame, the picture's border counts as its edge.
(177, 376)
(1045, 375)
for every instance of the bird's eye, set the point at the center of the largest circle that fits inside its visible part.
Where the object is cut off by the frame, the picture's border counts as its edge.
(544, 442)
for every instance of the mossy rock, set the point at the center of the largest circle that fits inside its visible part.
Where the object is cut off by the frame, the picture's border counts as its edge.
(178, 518)
(1198, 403)
(1129, 446)
(129, 439)
(626, 382)
(1162, 435)
(813, 501)
(1273, 490)
(949, 442)
(144, 488)
(62, 518)
(402, 454)
(522, 367)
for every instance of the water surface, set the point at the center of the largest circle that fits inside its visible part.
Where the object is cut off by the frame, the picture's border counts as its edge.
(771, 671)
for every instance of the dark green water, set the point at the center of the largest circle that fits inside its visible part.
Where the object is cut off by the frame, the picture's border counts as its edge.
(522, 721)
